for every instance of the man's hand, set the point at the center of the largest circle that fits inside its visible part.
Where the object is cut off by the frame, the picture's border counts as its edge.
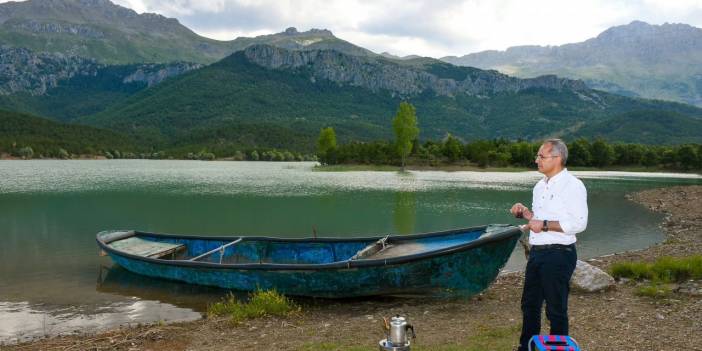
(520, 211)
(536, 225)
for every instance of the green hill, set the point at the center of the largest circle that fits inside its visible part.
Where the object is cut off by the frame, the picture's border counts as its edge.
(236, 91)
(87, 92)
(647, 127)
(45, 137)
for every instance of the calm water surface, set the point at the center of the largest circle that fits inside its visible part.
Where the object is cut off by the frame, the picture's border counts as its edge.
(52, 280)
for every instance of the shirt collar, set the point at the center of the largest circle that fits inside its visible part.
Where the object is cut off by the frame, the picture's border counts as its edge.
(558, 176)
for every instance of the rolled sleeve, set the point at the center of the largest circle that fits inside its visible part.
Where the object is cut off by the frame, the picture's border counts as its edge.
(575, 217)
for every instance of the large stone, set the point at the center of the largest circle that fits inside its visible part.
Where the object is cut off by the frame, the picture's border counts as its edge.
(590, 278)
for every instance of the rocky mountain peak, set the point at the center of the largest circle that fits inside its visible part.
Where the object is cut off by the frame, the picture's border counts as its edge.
(638, 31)
(292, 31)
(404, 80)
(292, 39)
(321, 32)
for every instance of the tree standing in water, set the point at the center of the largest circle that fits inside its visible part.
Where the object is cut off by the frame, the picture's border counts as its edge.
(326, 144)
(406, 130)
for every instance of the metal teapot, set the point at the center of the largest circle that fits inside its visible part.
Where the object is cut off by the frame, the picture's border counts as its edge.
(397, 334)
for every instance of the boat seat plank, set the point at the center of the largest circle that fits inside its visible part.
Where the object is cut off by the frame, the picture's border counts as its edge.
(397, 250)
(146, 248)
(117, 235)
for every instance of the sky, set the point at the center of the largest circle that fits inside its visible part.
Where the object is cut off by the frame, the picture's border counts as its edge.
(434, 28)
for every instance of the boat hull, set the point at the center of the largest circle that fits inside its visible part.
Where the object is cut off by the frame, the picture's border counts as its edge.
(460, 272)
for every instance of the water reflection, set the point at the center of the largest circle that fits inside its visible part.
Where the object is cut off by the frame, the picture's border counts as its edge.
(119, 281)
(405, 214)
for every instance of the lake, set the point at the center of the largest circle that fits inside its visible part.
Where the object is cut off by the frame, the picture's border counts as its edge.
(53, 281)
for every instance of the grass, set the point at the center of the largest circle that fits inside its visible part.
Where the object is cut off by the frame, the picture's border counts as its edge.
(260, 304)
(326, 346)
(655, 290)
(501, 338)
(660, 274)
(486, 339)
(664, 270)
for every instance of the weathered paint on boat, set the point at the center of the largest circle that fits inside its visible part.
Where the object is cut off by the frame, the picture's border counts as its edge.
(457, 262)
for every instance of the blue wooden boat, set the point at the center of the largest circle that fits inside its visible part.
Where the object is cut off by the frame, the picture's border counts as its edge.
(448, 263)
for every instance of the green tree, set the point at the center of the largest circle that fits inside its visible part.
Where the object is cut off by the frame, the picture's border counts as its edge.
(668, 157)
(483, 158)
(687, 156)
(406, 130)
(326, 144)
(650, 158)
(602, 153)
(522, 154)
(476, 151)
(453, 148)
(629, 154)
(579, 153)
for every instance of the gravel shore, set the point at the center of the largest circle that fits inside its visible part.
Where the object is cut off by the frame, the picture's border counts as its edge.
(616, 319)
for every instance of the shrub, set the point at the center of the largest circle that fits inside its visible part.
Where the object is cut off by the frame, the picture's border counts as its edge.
(261, 303)
(26, 152)
(206, 156)
(63, 154)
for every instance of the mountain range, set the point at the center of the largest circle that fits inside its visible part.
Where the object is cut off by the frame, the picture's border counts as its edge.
(158, 84)
(358, 95)
(109, 33)
(637, 59)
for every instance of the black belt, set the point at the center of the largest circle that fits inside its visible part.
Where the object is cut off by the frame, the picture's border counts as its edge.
(553, 247)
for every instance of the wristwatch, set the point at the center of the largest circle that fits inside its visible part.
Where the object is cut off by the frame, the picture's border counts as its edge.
(545, 228)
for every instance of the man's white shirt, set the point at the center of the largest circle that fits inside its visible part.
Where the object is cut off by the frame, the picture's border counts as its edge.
(564, 199)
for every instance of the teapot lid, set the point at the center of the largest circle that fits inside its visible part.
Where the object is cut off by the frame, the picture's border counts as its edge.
(398, 319)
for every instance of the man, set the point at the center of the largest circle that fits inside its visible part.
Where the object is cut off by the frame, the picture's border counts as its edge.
(559, 211)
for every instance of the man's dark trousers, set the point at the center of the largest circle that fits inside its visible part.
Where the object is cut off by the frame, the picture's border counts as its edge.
(547, 278)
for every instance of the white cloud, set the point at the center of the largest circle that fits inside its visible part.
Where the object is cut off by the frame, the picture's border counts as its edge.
(430, 28)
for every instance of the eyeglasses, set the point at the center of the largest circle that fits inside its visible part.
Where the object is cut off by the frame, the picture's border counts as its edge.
(540, 156)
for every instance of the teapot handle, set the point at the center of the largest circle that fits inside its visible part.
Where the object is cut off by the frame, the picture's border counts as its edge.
(410, 327)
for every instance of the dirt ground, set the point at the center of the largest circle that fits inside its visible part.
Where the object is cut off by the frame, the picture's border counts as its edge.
(616, 319)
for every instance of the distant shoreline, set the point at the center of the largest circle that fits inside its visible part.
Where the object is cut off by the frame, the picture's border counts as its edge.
(379, 168)
(473, 168)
